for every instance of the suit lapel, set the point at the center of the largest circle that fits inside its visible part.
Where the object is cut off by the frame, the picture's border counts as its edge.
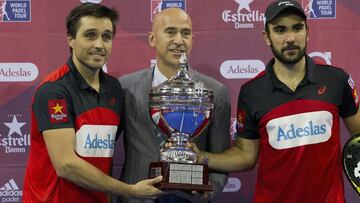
(147, 81)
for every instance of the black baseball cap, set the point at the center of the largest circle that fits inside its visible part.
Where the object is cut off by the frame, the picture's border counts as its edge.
(275, 8)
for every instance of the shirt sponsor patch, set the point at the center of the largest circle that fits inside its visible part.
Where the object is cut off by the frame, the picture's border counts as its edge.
(96, 140)
(300, 129)
(354, 93)
(58, 111)
(240, 120)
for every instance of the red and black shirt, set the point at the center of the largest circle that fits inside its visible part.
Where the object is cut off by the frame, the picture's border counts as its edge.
(299, 155)
(65, 100)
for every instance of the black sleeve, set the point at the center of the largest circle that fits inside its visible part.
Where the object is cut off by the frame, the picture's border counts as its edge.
(245, 124)
(52, 107)
(350, 100)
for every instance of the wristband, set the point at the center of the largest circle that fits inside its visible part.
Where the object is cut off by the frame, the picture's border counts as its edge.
(205, 159)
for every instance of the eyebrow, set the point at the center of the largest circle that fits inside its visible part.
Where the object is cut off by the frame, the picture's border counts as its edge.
(95, 30)
(176, 28)
(284, 26)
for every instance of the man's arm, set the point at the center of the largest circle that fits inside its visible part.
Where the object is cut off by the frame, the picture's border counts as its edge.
(60, 145)
(242, 156)
(353, 123)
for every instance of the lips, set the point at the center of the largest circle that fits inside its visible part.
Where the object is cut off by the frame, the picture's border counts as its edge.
(290, 48)
(180, 51)
(97, 54)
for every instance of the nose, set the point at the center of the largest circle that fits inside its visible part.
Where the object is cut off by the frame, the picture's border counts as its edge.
(290, 36)
(99, 43)
(178, 39)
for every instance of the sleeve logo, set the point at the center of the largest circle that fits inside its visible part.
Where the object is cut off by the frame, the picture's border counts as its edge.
(57, 111)
(240, 120)
(354, 93)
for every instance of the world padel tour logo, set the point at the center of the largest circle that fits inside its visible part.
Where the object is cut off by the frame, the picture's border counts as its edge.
(319, 9)
(15, 10)
(91, 1)
(243, 16)
(159, 5)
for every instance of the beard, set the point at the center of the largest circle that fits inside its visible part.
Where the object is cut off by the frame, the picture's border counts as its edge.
(288, 60)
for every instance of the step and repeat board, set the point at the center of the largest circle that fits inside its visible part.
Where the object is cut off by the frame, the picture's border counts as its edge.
(228, 46)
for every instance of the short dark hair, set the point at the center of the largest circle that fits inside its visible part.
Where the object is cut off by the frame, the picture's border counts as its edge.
(89, 9)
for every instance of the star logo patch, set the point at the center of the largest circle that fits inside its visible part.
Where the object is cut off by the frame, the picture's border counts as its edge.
(58, 111)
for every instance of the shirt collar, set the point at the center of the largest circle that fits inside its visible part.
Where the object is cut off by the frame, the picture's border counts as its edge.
(82, 82)
(158, 78)
(276, 83)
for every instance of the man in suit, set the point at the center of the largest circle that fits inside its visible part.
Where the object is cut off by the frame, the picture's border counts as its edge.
(171, 36)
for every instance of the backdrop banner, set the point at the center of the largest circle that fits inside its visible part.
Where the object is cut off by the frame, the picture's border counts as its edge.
(228, 46)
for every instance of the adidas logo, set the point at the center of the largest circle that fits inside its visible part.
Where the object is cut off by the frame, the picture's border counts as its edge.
(10, 185)
(10, 192)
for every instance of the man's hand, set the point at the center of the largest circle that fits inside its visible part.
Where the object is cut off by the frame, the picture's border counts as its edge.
(146, 189)
(201, 156)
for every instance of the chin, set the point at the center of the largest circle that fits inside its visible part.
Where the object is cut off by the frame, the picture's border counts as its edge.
(96, 66)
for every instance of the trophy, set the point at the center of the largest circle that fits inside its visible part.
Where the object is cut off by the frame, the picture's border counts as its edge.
(180, 109)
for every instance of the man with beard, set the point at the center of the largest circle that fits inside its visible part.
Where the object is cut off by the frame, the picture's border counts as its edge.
(288, 118)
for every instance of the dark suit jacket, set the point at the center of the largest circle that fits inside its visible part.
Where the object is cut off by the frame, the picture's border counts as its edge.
(140, 141)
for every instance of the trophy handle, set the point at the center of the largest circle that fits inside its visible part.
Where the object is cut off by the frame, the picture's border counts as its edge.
(351, 161)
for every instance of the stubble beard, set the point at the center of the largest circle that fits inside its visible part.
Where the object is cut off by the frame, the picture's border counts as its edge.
(285, 60)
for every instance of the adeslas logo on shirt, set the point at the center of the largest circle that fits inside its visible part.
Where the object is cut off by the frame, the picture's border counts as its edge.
(99, 143)
(300, 129)
(308, 130)
(96, 140)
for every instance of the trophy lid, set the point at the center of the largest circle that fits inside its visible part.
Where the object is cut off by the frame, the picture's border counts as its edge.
(181, 90)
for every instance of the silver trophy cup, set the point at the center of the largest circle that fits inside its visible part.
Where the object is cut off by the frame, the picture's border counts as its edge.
(181, 108)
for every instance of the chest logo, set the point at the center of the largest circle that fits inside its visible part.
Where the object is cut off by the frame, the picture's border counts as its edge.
(96, 140)
(300, 129)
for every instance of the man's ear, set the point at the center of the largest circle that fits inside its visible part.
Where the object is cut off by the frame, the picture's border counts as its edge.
(266, 38)
(70, 41)
(151, 39)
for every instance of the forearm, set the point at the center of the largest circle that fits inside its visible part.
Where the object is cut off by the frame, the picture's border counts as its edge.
(88, 176)
(240, 157)
(230, 160)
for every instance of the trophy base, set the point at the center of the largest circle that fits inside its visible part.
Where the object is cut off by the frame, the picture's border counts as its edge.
(181, 176)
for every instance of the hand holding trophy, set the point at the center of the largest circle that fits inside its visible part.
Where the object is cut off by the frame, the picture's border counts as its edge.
(181, 108)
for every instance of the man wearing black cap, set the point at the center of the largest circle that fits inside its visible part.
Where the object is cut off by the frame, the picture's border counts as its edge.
(288, 118)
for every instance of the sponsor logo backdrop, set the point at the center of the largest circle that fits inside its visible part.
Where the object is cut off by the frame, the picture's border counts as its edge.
(228, 46)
